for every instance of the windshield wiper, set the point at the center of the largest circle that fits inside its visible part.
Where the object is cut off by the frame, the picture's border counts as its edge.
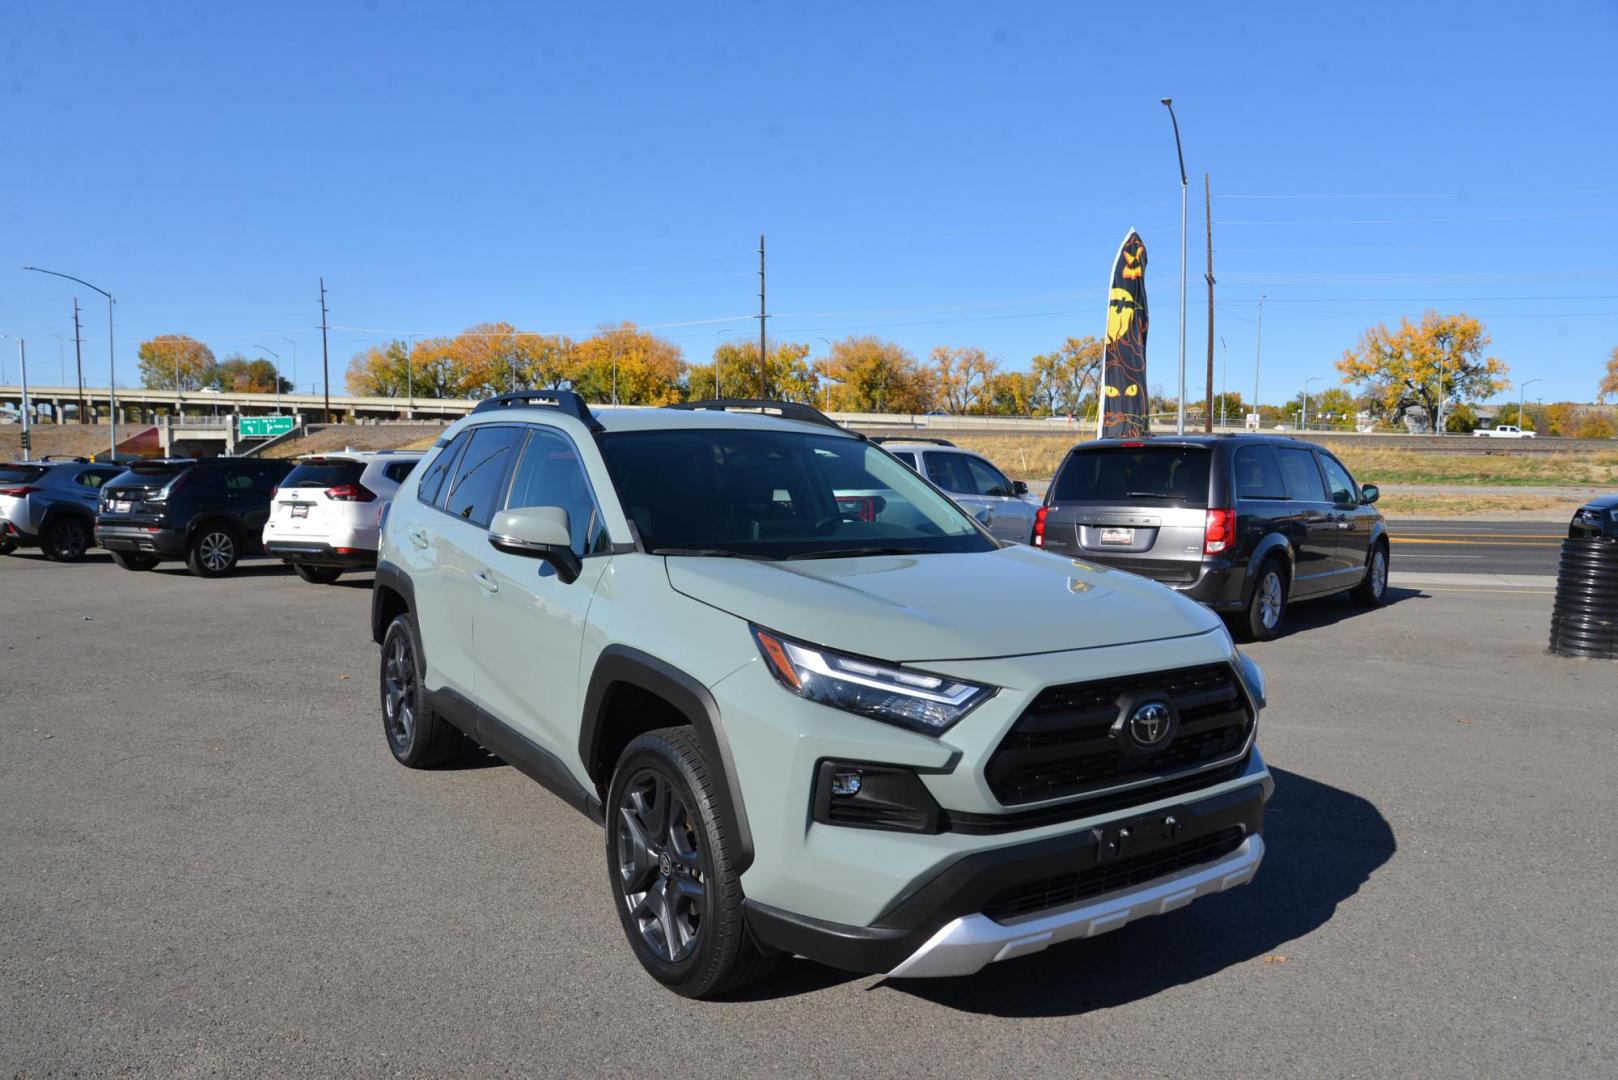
(854, 553)
(710, 553)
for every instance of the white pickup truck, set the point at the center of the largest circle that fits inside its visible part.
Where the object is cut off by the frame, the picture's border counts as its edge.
(1504, 431)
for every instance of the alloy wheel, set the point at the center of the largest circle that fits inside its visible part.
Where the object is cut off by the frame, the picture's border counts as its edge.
(70, 540)
(661, 866)
(1269, 600)
(217, 551)
(399, 691)
(1379, 573)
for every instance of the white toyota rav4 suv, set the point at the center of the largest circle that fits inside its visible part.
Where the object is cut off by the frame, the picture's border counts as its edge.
(326, 514)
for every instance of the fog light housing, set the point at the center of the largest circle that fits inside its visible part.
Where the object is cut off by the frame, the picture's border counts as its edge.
(845, 782)
(858, 795)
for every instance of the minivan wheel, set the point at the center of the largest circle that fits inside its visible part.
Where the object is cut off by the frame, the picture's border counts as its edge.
(418, 737)
(1267, 607)
(212, 551)
(1373, 588)
(133, 560)
(318, 575)
(672, 868)
(66, 540)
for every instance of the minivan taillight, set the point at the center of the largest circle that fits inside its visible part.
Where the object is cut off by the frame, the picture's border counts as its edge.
(1220, 531)
(350, 493)
(1039, 526)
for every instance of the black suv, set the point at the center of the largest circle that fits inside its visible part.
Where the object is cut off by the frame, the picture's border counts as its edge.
(1242, 523)
(209, 512)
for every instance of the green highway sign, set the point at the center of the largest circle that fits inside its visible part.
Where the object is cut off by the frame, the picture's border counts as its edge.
(251, 427)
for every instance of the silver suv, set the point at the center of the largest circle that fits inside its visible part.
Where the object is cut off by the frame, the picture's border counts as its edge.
(972, 480)
(869, 735)
(51, 505)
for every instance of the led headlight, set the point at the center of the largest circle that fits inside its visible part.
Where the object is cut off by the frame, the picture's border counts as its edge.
(912, 699)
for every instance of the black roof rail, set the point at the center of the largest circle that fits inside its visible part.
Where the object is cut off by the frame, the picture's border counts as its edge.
(880, 439)
(565, 400)
(787, 410)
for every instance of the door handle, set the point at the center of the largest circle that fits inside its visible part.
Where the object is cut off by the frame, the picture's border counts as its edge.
(486, 582)
(417, 537)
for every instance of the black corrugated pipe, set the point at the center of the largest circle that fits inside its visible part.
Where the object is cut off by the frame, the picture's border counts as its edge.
(1584, 618)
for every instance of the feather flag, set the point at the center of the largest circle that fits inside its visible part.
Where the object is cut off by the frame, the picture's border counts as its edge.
(1124, 400)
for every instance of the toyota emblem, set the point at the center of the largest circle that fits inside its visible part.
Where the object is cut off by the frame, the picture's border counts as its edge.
(1151, 725)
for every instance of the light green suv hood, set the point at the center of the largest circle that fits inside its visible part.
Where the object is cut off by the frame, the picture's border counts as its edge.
(1009, 602)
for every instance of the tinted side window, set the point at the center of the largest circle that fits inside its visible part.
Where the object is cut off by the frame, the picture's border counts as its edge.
(1257, 474)
(480, 476)
(945, 470)
(1343, 491)
(432, 481)
(399, 471)
(986, 479)
(906, 456)
(94, 478)
(551, 474)
(237, 478)
(1302, 475)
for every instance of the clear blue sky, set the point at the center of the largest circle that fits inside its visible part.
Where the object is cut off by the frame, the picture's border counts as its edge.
(933, 173)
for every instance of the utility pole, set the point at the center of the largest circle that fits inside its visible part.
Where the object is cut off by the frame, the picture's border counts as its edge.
(763, 357)
(78, 358)
(325, 355)
(1258, 355)
(1179, 412)
(1207, 206)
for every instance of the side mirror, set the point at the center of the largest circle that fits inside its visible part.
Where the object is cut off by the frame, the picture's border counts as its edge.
(1018, 487)
(538, 532)
(985, 515)
(1369, 493)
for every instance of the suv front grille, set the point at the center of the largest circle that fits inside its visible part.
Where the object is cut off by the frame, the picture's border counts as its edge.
(1109, 877)
(1063, 744)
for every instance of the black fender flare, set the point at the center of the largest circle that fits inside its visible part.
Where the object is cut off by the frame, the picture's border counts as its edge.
(1379, 535)
(1271, 545)
(56, 513)
(390, 577)
(620, 664)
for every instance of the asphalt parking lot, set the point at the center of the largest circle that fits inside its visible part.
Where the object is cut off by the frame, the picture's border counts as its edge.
(210, 865)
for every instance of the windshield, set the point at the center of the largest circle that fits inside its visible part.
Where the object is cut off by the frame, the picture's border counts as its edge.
(1126, 474)
(778, 495)
(324, 474)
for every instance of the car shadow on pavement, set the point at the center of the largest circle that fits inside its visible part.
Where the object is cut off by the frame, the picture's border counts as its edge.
(1327, 610)
(1324, 844)
(249, 567)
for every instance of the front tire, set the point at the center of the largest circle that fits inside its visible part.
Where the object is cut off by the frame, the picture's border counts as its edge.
(133, 560)
(65, 540)
(672, 867)
(213, 551)
(317, 575)
(1267, 607)
(1372, 590)
(418, 737)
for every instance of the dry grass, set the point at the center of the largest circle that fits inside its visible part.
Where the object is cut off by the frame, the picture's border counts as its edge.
(360, 437)
(83, 440)
(1383, 466)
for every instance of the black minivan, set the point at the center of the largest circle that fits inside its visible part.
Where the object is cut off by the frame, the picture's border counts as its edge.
(1242, 523)
(208, 511)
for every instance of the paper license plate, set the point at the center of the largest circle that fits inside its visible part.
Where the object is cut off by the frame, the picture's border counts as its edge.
(300, 511)
(1117, 536)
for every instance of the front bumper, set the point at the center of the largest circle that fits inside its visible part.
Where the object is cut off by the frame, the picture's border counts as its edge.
(985, 906)
(147, 540)
(10, 532)
(307, 553)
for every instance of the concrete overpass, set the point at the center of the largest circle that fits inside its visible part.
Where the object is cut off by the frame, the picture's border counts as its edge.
(136, 405)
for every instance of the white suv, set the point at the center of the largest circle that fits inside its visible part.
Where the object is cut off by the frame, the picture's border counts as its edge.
(326, 514)
(852, 727)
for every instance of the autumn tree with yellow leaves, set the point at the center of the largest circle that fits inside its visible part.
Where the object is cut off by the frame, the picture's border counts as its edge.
(626, 364)
(1067, 378)
(1439, 359)
(1609, 381)
(170, 358)
(872, 375)
(961, 378)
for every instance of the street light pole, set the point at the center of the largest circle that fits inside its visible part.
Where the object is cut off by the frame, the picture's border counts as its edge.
(112, 370)
(1258, 355)
(277, 356)
(61, 363)
(22, 361)
(1521, 392)
(1179, 417)
(410, 370)
(294, 345)
(1306, 382)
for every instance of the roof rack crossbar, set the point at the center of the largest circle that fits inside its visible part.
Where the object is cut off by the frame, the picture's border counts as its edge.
(879, 439)
(564, 400)
(788, 410)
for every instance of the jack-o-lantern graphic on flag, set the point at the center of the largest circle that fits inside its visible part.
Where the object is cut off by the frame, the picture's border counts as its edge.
(1123, 413)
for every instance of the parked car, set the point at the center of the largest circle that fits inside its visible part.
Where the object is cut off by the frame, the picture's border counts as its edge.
(973, 481)
(327, 512)
(51, 505)
(891, 744)
(1503, 431)
(1597, 518)
(1243, 523)
(208, 511)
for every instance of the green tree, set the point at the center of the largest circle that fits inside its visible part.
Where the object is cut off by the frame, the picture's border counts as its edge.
(168, 358)
(241, 375)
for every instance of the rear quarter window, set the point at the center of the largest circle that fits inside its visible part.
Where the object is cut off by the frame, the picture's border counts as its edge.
(1257, 474)
(1147, 475)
